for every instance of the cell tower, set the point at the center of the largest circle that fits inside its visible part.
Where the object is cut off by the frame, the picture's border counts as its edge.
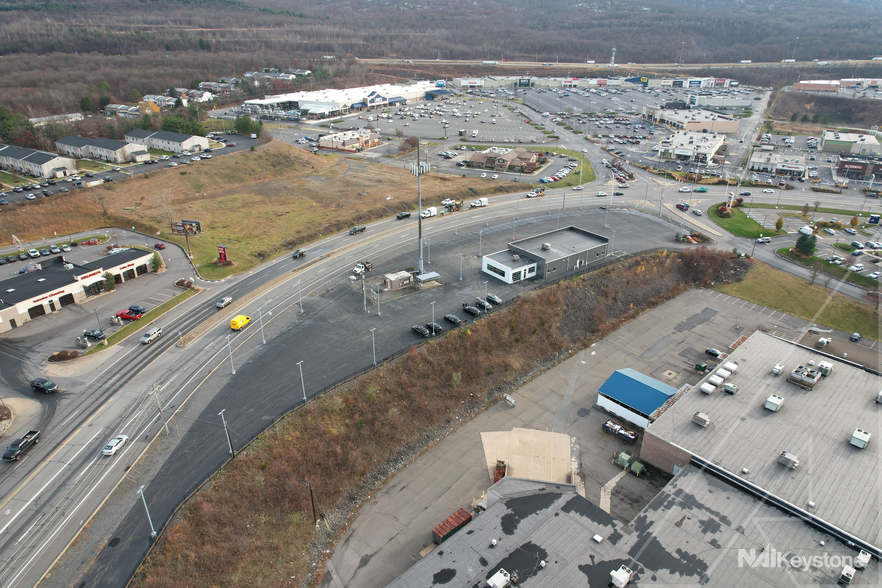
(612, 61)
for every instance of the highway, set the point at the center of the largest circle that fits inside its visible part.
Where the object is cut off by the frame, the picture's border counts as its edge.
(51, 494)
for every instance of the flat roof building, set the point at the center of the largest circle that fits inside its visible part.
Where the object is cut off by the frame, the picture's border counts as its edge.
(831, 86)
(352, 141)
(850, 143)
(694, 120)
(554, 254)
(826, 477)
(697, 148)
(780, 163)
(860, 167)
(633, 396)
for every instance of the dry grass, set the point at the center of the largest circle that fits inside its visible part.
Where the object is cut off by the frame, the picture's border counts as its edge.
(253, 526)
(257, 204)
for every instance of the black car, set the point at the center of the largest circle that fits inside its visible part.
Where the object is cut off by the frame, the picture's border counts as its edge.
(2, 261)
(51, 182)
(714, 352)
(138, 309)
(855, 337)
(65, 190)
(11, 259)
(298, 253)
(494, 299)
(108, 179)
(745, 193)
(90, 175)
(45, 252)
(402, 215)
(435, 328)
(23, 256)
(43, 385)
(466, 307)
(453, 319)
(4, 202)
(420, 330)
(95, 334)
(483, 304)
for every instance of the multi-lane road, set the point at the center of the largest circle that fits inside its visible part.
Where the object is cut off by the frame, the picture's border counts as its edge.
(313, 318)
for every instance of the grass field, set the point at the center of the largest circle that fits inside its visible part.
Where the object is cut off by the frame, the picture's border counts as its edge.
(740, 224)
(259, 204)
(776, 289)
(839, 271)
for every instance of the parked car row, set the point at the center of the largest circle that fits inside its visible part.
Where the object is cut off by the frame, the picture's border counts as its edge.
(480, 306)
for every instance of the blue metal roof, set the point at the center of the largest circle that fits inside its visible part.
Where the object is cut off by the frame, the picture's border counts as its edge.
(358, 105)
(637, 391)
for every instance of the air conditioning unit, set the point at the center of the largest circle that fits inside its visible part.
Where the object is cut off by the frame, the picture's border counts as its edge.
(789, 460)
(68, 266)
(515, 257)
(546, 246)
(701, 419)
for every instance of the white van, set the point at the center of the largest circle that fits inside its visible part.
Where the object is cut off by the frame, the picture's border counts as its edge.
(152, 335)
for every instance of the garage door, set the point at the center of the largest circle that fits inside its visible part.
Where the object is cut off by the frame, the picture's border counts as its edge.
(129, 274)
(141, 269)
(66, 300)
(36, 311)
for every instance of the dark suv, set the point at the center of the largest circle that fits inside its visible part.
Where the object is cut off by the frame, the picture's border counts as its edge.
(435, 328)
(420, 330)
(43, 385)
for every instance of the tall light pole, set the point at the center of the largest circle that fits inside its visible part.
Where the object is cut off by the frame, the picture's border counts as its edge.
(485, 290)
(480, 242)
(613, 242)
(300, 295)
(429, 250)
(230, 349)
(149, 520)
(417, 170)
(374, 344)
(99, 320)
(260, 316)
(682, 47)
(433, 317)
(302, 385)
(227, 432)
(460, 267)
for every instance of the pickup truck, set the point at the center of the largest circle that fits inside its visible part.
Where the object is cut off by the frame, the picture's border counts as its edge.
(355, 230)
(19, 446)
(362, 267)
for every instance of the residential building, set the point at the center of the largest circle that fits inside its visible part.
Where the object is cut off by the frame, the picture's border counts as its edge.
(104, 149)
(167, 141)
(38, 164)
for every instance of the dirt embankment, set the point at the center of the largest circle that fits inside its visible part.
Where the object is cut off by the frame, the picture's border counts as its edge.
(253, 526)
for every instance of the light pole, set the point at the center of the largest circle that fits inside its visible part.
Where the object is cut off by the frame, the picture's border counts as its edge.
(300, 295)
(480, 242)
(485, 290)
(99, 320)
(378, 299)
(613, 243)
(230, 349)
(149, 520)
(460, 267)
(429, 250)
(374, 345)
(260, 316)
(300, 365)
(661, 202)
(227, 432)
(433, 317)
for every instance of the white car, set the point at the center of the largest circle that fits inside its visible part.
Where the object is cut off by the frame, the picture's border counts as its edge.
(494, 177)
(31, 197)
(685, 189)
(164, 158)
(602, 194)
(858, 267)
(65, 248)
(696, 211)
(875, 275)
(577, 187)
(767, 191)
(115, 444)
(33, 253)
(830, 231)
(173, 164)
(483, 175)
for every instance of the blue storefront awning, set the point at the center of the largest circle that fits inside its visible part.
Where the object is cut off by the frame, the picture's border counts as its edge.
(396, 99)
(359, 105)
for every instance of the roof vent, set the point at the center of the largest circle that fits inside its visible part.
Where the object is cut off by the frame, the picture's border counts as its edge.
(701, 419)
(515, 257)
(546, 246)
(13, 290)
(789, 460)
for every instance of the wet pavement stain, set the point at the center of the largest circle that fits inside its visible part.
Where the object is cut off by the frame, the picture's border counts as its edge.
(521, 508)
(710, 526)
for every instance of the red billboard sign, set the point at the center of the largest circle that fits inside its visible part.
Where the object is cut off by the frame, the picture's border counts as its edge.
(222, 252)
(719, 81)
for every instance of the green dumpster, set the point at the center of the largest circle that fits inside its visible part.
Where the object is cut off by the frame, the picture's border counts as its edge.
(700, 367)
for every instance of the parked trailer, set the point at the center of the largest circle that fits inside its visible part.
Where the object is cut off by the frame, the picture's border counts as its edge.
(454, 523)
(620, 431)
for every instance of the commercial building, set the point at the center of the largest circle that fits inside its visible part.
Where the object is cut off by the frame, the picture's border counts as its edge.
(778, 163)
(860, 167)
(333, 102)
(720, 102)
(502, 159)
(492, 82)
(691, 147)
(698, 531)
(38, 164)
(696, 121)
(352, 141)
(803, 446)
(554, 254)
(633, 396)
(850, 143)
(104, 149)
(167, 141)
(831, 86)
(56, 284)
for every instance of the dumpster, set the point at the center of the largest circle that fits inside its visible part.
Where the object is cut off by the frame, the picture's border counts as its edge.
(700, 367)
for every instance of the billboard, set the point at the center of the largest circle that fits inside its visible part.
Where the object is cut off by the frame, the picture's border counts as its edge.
(694, 83)
(187, 227)
(222, 252)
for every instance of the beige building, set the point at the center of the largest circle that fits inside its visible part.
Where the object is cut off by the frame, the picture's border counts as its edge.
(817, 86)
(693, 120)
(500, 159)
(697, 148)
(353, 141)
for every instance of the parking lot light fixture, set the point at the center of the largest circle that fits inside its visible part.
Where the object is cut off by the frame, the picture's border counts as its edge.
(374, 345)
(149, 519)
(230, 349)
(300, 365)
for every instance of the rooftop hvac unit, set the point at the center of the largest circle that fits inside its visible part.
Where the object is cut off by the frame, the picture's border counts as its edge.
(500, 579)
(846, 576)
(546, 246)
(730, 366)
(707, 388)
(774, 403)
(879, 398)
(862, 560)
(789, 460)
(715, 380)
(860, 438)
(621, 577)
(701, 419)
(825, 367)
(721, 373)
(515, 257)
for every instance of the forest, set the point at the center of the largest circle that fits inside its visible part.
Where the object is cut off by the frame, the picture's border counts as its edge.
(53, 54)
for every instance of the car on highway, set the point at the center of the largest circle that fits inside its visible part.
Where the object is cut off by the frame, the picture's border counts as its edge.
(115, 445)
(602, 194)
(239, 322)
(472, 310)
(744, 193)
(44, 385)
(224, 302)
(94, 334)
(767, 191)
(402, 215)
(298, 253)
(453, 319)
(685, 189)
(577, 188)
(435, 328)
(160, 245)
(493, 298)
(420, 330)
(129, 314)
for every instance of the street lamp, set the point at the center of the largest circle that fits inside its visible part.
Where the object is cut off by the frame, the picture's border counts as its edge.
(460, 267)
(149, 520)
(485, 290)
(230, 348)
(300, 294)
(374, 345)
(260, 316)
(300, 365)
(480, 242)
(433, 317)
(227, 432)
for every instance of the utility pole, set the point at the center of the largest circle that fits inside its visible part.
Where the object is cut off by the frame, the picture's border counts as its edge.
(418, 170)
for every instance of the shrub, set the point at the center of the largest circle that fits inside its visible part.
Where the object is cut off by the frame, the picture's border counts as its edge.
(724, 212)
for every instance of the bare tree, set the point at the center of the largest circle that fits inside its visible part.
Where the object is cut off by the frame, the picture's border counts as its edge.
(164, 201)
(817, 205)
(814, 271)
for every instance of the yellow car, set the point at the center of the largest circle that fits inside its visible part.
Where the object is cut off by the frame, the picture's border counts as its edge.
(239, 322)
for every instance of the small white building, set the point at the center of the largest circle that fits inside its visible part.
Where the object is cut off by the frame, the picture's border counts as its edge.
(699, 148)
